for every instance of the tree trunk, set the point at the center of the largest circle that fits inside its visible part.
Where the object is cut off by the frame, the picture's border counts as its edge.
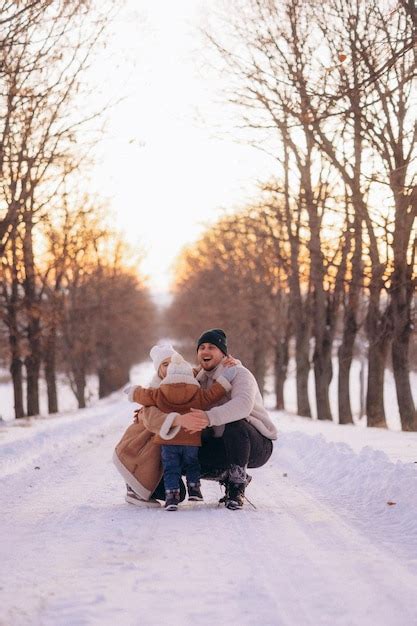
(320, 309)
(104, 382)
(401, 297)
(299, 307)
(16, 364)
(32, 364)
(33, 360)
(111, 378)
(345, 355)
(50, 371)
(350, 324)
(362, 388)
(302, 357)
(375, 397)
(79, 387)
(323, 372)
(280, 368)
(402, 383)
(379, 335)
(16, 367)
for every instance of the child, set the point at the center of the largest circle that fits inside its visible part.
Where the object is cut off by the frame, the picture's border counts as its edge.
(143, 456)
(178, 392)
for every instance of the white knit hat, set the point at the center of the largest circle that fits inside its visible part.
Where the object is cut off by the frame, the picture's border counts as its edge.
(160, 352)
(179, 371)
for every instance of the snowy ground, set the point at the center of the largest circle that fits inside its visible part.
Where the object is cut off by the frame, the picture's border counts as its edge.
(332, 540)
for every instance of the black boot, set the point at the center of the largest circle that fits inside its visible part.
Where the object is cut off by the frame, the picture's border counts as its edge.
(159, 493)
(235, 496)
(172, 499)
(225, 484)
(194, 492)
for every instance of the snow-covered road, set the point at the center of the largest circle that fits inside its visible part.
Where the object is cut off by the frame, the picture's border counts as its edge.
(321, 548)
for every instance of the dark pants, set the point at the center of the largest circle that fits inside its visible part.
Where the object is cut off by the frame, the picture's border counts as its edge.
(177, 460)
(241, 444)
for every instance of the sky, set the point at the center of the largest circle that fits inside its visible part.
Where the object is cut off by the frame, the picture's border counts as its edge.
(163, 165)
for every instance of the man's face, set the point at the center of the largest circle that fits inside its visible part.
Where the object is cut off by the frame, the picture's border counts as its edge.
(209, 356)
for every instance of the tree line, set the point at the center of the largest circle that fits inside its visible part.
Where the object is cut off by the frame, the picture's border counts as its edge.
(70, 300)
(328, 251)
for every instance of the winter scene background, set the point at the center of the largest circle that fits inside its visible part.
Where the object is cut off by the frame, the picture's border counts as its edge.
(172, 167)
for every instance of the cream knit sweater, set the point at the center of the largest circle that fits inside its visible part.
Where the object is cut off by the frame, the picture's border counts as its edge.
(243, 401)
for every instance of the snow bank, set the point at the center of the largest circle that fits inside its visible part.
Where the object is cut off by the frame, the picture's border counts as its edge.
(27, 440)
(397, 445)
(356, 483)
(335, 469)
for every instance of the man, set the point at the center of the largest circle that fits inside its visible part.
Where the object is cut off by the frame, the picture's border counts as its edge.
(239, 430)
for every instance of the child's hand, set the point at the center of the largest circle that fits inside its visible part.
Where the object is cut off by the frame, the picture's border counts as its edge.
(193, 422)
(129, 390)
(230, 361)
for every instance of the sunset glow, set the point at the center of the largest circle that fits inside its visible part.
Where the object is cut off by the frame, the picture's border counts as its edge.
(162, 167)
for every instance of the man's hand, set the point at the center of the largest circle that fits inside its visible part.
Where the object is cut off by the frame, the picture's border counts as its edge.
(192, 422)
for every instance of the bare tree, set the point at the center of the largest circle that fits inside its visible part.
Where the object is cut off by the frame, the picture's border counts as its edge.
(275, 93)
(319, 82)
(39, 130)
(11, 306)
(391, 130)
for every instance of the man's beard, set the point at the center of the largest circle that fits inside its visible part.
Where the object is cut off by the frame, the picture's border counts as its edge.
(208, 367)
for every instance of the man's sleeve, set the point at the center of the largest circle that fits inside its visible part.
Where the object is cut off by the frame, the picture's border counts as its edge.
(158, 422)
(146, 397)
(243, 395)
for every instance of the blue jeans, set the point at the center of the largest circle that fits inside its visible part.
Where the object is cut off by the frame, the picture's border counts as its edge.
(178, 459)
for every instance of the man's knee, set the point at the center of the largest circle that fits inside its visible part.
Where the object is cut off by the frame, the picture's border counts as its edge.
(236, 430)
(238, 426)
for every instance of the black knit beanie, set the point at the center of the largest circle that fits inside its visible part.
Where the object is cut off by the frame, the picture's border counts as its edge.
(216, 336)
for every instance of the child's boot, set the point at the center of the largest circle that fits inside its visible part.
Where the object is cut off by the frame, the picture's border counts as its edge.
(194, 492)
(172, 499)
